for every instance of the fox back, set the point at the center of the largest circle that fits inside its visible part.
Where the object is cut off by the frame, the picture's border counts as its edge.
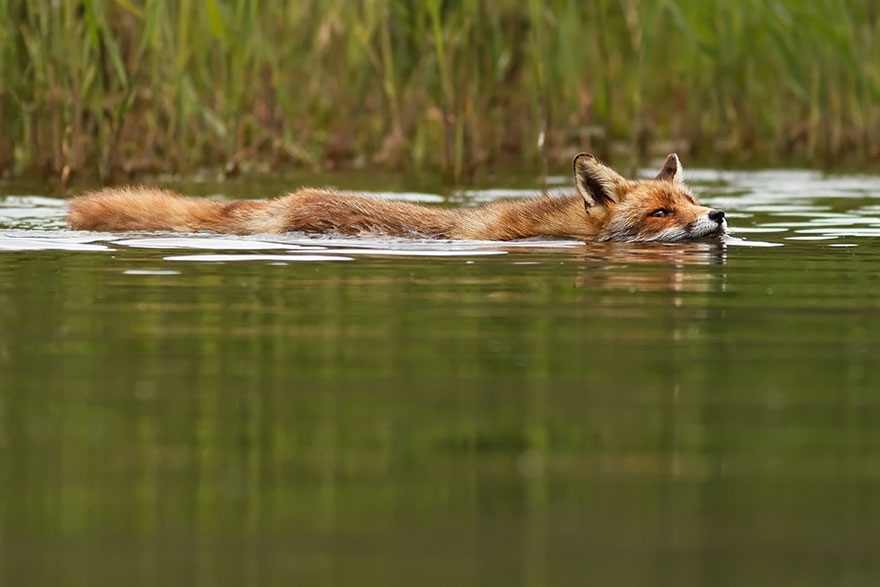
(605, 207)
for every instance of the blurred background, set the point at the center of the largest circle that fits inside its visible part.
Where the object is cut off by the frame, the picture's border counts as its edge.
(118, 88)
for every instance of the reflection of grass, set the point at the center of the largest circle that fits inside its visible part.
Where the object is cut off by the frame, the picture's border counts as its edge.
(136, 85)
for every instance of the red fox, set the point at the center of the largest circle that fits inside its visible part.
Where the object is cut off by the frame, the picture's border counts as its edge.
(606, 207)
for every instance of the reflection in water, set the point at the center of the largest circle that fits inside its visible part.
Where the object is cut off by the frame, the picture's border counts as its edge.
(678, 254)
(644, 267)
(445, 413)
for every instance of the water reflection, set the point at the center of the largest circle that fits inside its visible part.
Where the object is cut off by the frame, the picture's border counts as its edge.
(644, 267)
(440, 413)
(672, 254)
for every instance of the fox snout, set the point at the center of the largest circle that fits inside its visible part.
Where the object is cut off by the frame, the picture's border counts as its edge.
(711, 224)
(717, 216)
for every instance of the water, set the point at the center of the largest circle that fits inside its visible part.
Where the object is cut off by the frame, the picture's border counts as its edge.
(208, 410)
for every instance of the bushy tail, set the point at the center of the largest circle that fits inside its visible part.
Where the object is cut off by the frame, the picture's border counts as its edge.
(144, 209)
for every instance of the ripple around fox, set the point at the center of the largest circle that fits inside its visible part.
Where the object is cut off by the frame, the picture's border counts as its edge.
(606, 207)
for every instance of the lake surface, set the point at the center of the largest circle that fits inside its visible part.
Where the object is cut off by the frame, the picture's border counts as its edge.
(209, 410)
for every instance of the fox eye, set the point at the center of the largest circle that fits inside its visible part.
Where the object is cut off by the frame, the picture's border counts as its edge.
(661, 213)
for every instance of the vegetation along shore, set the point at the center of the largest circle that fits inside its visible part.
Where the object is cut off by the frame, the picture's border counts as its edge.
(117, 88)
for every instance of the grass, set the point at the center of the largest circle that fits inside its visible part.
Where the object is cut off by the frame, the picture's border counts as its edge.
(124, 87)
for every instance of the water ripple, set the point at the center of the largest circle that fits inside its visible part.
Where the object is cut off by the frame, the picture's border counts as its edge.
(218, 258)
(15, 243)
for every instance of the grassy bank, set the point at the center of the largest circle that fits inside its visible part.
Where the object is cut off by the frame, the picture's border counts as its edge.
(125, 87)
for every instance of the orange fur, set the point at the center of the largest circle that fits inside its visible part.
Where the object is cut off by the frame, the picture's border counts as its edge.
(606, 207)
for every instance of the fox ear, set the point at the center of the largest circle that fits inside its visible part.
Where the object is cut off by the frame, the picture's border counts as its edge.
(672, 170)
(595, 181)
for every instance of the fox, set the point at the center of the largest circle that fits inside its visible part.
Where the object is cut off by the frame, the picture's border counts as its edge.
(604, 206)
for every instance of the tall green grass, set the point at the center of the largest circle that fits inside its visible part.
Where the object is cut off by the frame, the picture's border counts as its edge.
(130, 86)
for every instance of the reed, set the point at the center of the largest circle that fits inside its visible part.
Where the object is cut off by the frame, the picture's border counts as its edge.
(123, 87)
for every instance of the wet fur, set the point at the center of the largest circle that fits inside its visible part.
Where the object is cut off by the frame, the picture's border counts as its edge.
(606, 207)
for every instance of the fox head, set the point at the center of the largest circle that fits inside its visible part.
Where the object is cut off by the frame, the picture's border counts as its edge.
(659, 209)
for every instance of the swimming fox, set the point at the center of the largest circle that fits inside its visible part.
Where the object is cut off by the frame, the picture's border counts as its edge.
(605, 207)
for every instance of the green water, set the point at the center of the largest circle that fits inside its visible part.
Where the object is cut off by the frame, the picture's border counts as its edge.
(443, 414)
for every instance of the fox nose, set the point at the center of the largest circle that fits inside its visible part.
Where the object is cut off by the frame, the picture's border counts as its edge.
(717, 216)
